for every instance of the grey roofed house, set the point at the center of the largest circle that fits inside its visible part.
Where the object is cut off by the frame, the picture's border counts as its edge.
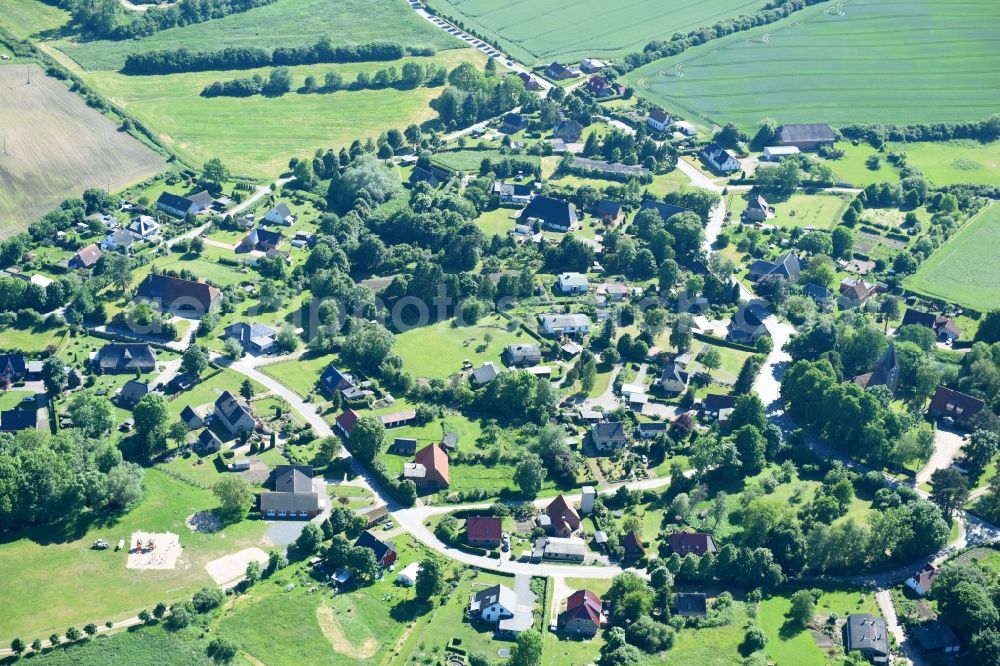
(558, 71)
(609, 211)
(560, 548)
(207, 442)
(490, 596)
(786, 266)
(144, 227)
(607, 435)
(177, 293)
(433, 176)
(569, 131)
(553, 213)
(917, 318)
(13, 366)
(485, 373)
(255, 336)
(523, 354)
(936, 637)
(192, 418)
(573, 283)
(404, 446)
(719, 158)
(808, 136)
(818, 293)
(122, 238)
(202, 200)
(513, 123)
(16, 420)
(713, 402)
(176, 205)
(513, 192)
(746, 325)
(125, 357)
(234, 415)
(867, 634)
(132, 392)
(293, 494)
(691, 604)
(652, 429)
(665, 210)
(262, 240)
(565, 323)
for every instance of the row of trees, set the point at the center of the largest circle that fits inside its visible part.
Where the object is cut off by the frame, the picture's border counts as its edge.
(108, 19)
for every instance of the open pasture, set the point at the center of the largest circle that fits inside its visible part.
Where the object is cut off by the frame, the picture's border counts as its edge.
(56, 147)
(875, 62)
(284, 23)
(539, 31)
(963, 269)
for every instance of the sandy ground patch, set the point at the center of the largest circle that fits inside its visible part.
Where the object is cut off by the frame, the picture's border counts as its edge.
(334, 633)
(165, 551)
(203, 521)
(233, 566)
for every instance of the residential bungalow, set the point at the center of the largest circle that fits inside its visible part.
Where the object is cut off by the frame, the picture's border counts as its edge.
(530, 82)
(779, 153)
(719, 159)
(747, 324)
(131, 393)
(261, 240)
(177, 294)
(569, 131)
(119, 238)
(485, 373)
(484, 531)
(573, 283)
(177, 206)
(652, 429)
(867, 634)
(658, 120)
(821, 295)
(345, 422)
(85, 257)
(433, 176)
(665, 210)
(855, 292)
(786, 266)
(192, 418)
(807, 136)
(715, 402)
(601, 88)
(691, 604)
(16, 420)
(936, 638)
(513, 193)
(634, 550)
(523, 354)
(398, 419)
(281, 214)
(551, 213)
(886, 372)
(500, 605)
(293, 495)
(607, 435)
(118, 357)
(144, 228)
(385, 553)
(758, 210)
(584, 614)
(565, 549)
(941, 324)
(609, 212)
(675, 377)
(13, 367)
(592, 65)
(207, 442)
(564, 521)
(961, 408)
(565, 324)
(513, 123)
(922, 581)
(234, 415)
(429, 469)
(333, 380)
(252, 337)
(404, 446)
(559, 72)
(698, 543)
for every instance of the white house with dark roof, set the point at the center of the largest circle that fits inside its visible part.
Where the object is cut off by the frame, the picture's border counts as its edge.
(720, 159)
(573, 283)
(144, 228)
(233, 414)
(658, 120)
(293, 495)
(279, 214)
(252, 337)
(565, 324)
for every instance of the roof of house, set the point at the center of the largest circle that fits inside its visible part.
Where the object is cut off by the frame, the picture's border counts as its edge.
(573, 280)
(485, 373)
(917, 318)
(207, 438)
(691, 603)
(949, 401)
(925, 577)
(174, 201)
(513, 119)
(692, 542)
(12, 364)
(605, 208)
(759, 203)
(659, 116)
(484, 528)
(347, 419)
(402, 416)
(231, 408)
(521, 350)
(553, 211)
(15, 420)
(369, 540)
(293, 479)
(934, 635)
(817, 292)
(561, 511)
(652, 428)
(665, 210)
(497, 594)
(585, 605)
(121, 238)
(203, 198)
(806, 132)
(189, 414)
(433, 457)
(133, 390)
(864, 631)
(557, 69)
(716, 154)
(280, 209)
(555, 321)
(713, 402)
(245, 333)
(293, 490)
(170, 290)
(333, 379)
(564, 546)
(126, 356)
(87, 256)
(568, 126)
(144, 225)
(886, 371)
(633, 544)
(609, 431)
(404, 444)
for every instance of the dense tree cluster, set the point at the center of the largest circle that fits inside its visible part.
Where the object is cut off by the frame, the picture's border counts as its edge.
(472, 96)
(878, 134)
(108, 19)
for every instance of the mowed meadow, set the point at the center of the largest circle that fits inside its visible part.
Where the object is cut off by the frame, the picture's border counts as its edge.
(963, 270)
(894, 61)
(537, 31)
(56, 146)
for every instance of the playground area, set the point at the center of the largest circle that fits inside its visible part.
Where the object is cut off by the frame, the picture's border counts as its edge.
(148, 550)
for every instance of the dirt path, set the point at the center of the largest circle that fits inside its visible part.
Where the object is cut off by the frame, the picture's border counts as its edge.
(334, 633)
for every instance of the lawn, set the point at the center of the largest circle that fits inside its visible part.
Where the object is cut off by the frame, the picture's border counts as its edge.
(28, 18)
(819, 211)
(871, 63)
(211, 386)
(284, 23)
(949, 162)
(544, 30)
(851, 168)
(301, 374)
(470, 160)
(438, 350)
(30, 340)
(497, 222)
(257, 135)
(957, 271)
(715, 646)
(148, 646)
(60, 581)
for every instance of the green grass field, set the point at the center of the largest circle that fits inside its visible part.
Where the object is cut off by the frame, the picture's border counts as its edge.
(948, 162)
(28, 18)
(283, 23)
(453, 344)
(60, 581)
(875, 63)
(257, 135)
(545, 30)
(469, 160)
(789, 645)
(301, 374)
(497, 222)
(821, 211)
(151, 645)
(961, 270)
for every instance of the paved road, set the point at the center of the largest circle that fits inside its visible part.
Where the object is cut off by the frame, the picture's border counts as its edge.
(234, 211)
(884, 599)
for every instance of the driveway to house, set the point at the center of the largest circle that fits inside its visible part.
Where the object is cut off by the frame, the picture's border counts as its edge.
(884, 599)
(606, 400)
(947, 445)
(768, 382)
(559, 592)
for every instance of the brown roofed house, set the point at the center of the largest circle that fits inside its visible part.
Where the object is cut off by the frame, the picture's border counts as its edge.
(634, 550)
(959, 406)
(173, 293)
(429, 469)
(484, 531)
(583, 614)
(85, 257)
(563, 517)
